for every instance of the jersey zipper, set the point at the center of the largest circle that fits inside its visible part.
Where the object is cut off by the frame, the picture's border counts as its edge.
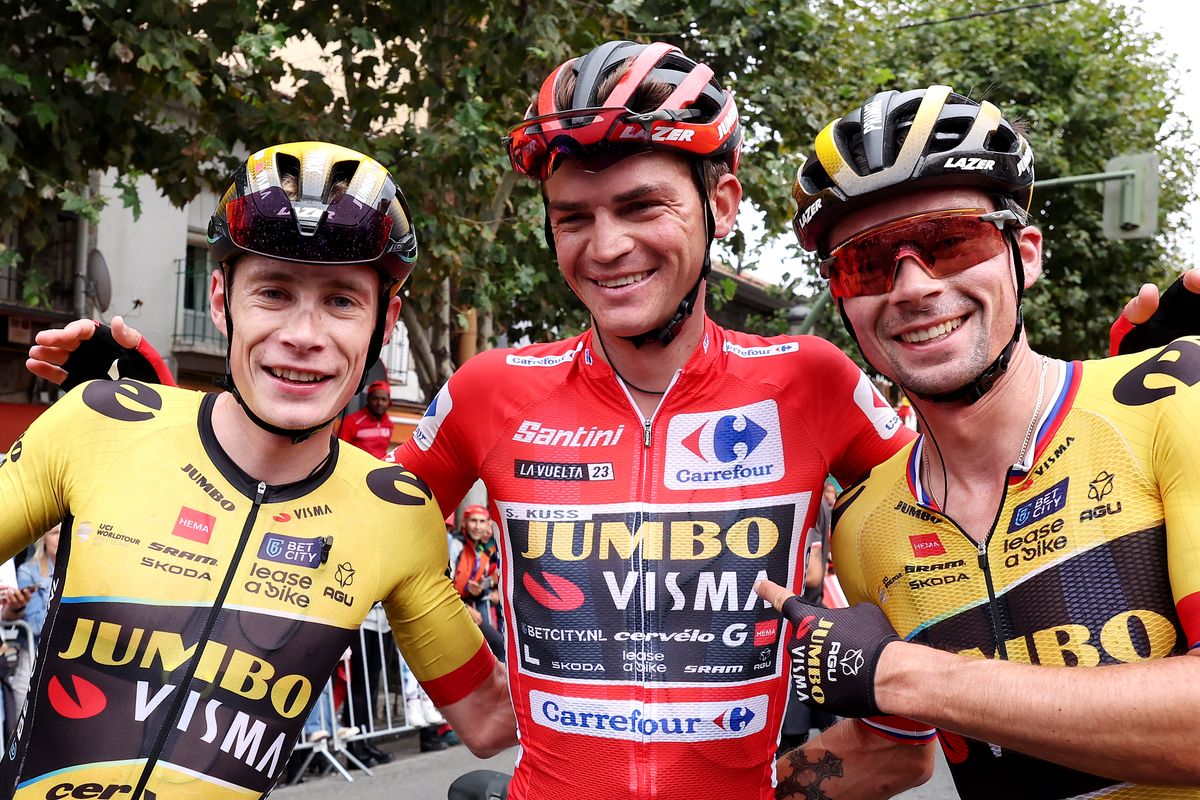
(993, 612)
(172, 717)
(644, 789)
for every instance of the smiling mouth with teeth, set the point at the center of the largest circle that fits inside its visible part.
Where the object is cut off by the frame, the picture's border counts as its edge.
(295, 375)
(934, 332)
(625, 281)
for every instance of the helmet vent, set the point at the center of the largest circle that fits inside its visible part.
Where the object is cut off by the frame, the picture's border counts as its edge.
(339, 179)
(814, 176)
(288, 167)
(948, 134)
(1001, 140)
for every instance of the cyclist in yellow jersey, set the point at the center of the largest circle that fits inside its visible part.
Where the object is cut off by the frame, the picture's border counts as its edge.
(219, 551)
(1049, 517)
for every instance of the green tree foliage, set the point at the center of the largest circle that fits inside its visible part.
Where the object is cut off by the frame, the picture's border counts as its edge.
(156, 87)
(168, 87)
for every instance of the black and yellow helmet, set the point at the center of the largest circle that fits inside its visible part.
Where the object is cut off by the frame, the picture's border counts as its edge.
(902, 141)
(316, 203)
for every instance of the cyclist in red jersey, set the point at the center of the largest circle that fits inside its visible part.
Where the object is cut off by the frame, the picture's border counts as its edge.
(644, 474)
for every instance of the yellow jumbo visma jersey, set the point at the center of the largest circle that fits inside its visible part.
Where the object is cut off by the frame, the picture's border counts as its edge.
(197, 613)
(1094, 557)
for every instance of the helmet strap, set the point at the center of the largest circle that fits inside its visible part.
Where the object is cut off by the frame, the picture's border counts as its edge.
(296, 435)
(972, 391)
(667, 333)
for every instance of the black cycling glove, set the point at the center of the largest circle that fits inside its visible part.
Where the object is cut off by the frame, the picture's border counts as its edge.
(93, 358)
(834, 655)
(1178, 315)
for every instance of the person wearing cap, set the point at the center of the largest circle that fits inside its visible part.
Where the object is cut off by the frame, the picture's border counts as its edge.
(475, 569)
(219, 551)
(1026, 573)
(370, 428)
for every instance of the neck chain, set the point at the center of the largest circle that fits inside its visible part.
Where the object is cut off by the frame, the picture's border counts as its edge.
(1020, 463)
(617, 372)
(1037, 412)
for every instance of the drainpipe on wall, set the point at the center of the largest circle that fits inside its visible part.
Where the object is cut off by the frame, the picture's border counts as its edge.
(81, 259)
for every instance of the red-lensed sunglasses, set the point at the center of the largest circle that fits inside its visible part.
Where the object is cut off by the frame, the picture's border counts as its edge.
(942, 242)
(596, 138)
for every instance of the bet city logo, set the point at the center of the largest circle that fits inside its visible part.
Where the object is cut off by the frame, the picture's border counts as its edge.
(731, 447)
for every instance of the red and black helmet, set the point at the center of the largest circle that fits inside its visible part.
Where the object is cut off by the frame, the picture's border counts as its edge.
(697, 118)
(904, 141)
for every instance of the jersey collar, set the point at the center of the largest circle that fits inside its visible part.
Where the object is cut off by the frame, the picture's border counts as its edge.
(1062, 398)
(245, 484)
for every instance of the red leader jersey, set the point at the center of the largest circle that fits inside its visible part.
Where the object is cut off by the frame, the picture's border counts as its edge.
(367, 432)
(641, 663)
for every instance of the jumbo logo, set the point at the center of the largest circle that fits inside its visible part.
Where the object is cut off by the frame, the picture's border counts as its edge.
(1126, 638)
(398, 486)
(75, 698)
(733, 447)
(684, 539)
(109, 644)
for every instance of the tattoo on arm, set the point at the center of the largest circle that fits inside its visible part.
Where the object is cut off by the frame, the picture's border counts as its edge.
(807, 776)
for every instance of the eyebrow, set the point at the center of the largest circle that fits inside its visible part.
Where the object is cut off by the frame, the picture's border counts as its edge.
(635, 193)
(334, 280)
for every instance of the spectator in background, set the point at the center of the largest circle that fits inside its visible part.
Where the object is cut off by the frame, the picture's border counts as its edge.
(370, 428)
(366, 661)
(38, 573)
(12, 607)
(34, 578)
(475, 567)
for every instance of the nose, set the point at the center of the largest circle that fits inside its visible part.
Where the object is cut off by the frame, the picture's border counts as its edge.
(303, 330)
(912, 281)
(610, 238)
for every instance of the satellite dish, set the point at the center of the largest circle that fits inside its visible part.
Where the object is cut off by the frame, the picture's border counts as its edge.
(99, 281)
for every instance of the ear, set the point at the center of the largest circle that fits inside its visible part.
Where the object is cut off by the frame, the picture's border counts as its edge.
(389, 321)
(216, 299)
(1029, 244)
(725, 199)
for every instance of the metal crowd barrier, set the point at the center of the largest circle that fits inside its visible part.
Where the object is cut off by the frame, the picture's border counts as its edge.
(16, 633)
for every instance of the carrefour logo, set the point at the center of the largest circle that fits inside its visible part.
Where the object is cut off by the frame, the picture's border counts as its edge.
(731, 447)
(647, 722)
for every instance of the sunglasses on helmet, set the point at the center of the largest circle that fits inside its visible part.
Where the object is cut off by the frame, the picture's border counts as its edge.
(942, 242)
(596, 138)
(351, 231)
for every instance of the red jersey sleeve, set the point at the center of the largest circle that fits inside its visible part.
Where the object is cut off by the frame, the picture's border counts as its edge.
(454, 437)
(856, 427)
